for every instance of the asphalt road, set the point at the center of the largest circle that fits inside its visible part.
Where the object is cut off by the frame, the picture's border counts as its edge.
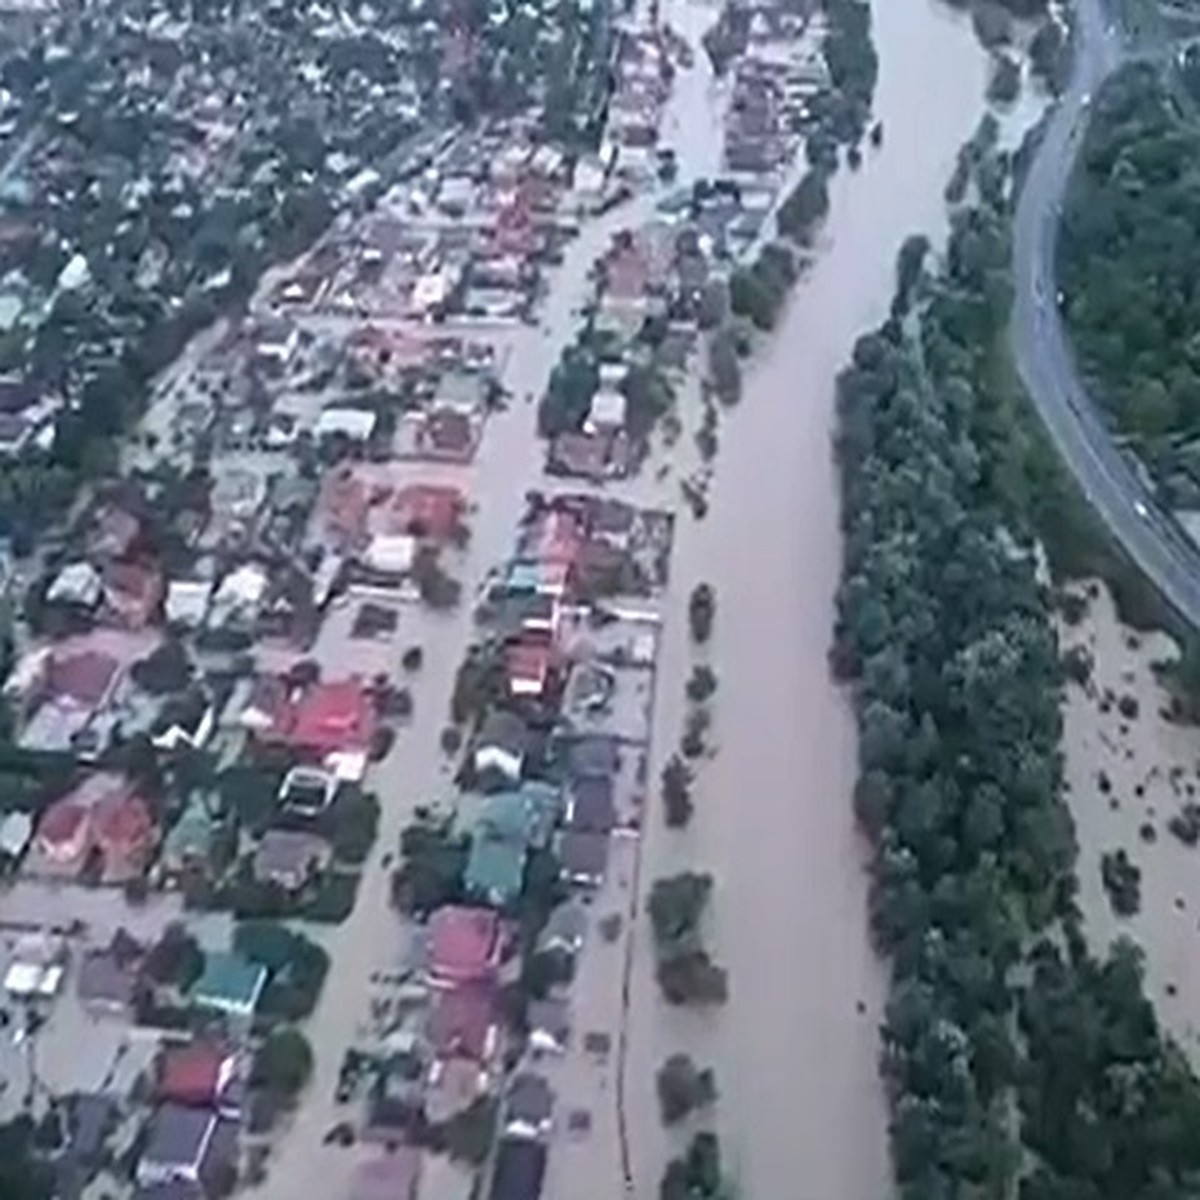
(1152, 540)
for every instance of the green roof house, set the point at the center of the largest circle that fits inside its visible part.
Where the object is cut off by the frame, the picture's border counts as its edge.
(495, 867)
(528, 813)
(190, 842)
(510, 824)
(229, 984)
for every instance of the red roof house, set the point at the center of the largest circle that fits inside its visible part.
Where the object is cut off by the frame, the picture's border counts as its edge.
(558, 537)
(102, 815)
(199, 1075)
(125, 833)
(465, 946)
(84, 677)
(133, 592)
(426, 510)
(342, 508)
(462, 1023)
(330, 718)
(63, 836)
(527, 667)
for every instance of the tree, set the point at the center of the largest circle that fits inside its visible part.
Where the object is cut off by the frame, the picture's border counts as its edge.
(683, 1088)
(352, 822)
(701, 684)
(697, 1175)
(176, 959)
(702, 609)
(22, 1176)
(724, 367)
(431, 872)
(677, 793)
(806, 206)
(284, 1062)
(676, 904)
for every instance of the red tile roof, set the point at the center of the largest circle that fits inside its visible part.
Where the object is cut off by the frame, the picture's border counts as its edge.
(330, 717)
(61, 824)
(84, 676)
(193, 1075)
(426, 509)
(464, 945)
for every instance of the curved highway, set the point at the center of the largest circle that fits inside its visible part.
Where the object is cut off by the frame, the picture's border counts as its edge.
(1152, 540)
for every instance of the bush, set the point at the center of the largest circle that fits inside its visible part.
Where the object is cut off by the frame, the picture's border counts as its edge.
(702, 683)
(677, 793)
(702, 611)
(1122, 882)
(413, 658)
(683, 1088)
(297, 967)
(692, 978)
(284, 1062)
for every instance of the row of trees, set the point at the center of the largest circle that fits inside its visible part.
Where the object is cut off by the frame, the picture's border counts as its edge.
(946, 632)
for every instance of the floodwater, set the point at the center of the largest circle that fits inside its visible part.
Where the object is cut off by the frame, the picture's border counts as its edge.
(801, 1108)
(1127, 776)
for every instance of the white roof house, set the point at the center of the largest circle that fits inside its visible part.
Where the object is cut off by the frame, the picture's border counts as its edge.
(607, 411)
(187, 601)
(78, 583)
(357, 424)
(391, 553)
(15, 831)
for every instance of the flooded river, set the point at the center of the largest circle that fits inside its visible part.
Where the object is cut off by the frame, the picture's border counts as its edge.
(801, 1109)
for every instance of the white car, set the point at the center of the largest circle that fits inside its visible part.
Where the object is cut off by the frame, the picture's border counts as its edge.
(1141, 510)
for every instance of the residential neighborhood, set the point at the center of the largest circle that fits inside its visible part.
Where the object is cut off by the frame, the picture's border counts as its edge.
(345, 356)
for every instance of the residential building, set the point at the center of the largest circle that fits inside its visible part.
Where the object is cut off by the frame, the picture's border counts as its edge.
(528, 1106)
(501, 745)
(465, 946)
(230, 985)
(290, 858)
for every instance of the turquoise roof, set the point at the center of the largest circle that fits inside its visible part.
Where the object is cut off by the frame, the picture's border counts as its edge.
(495, 867)
(528, 813)
(229, 983)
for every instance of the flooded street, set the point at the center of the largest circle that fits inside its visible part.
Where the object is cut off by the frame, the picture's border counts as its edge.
(801, 1106)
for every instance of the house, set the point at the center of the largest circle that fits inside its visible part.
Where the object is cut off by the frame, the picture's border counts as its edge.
(187, 1144)
(277, 340)
(16, 832)
(549, 1023)
(465, 946)
(395, 1100)
(527, 668)
(495, 871)
(91, 1118)
(329, 720)
(393, 1176)
(520, 1169)
(448, 435)
(565, 928)
(501, 745)
(230, 985)
(187, 602)
(103, 824)
(201, 1074)
(528, 1106)
(185, 720)
(77, 584)
(426, 510)
(390, 553)
(590, 805)
(592, 756)
(110, 977)
(132, 593)
(528, 812)
(607, 412)
(584, 857)
(82, 678)
(35, 967)
(290, 858)
(191, 842)
(454, 1084)
(462, 1023)
(353, 424)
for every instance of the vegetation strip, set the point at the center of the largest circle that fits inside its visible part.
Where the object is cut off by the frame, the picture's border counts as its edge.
(1009, 1051)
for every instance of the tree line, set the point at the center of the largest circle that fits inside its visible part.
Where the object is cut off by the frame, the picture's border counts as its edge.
(1009, 1051)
